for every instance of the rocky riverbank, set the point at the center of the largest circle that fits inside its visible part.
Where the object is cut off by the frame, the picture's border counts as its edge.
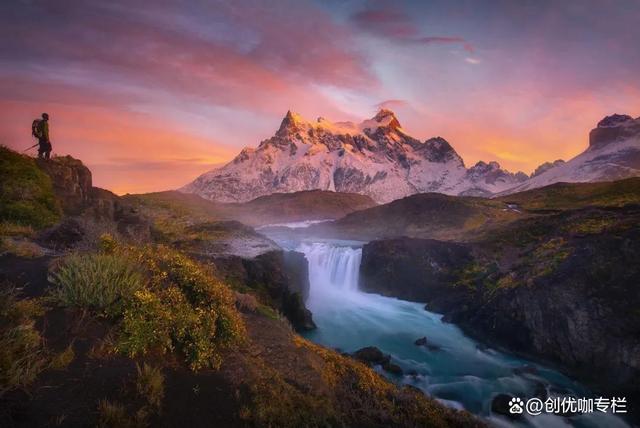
(562, 288)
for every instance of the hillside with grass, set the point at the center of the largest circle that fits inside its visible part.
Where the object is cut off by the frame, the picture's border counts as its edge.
(128, 313)
(172, 207)
(425, 215)
(564, 196)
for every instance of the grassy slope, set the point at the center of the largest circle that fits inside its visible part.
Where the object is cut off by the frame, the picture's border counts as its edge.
(272, 378)
(26, 193)
(563, 196)
(306, 205)
(276, 208)
(426, 215)
(453, 218)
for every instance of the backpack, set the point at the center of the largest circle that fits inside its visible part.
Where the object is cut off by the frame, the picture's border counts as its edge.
(35, 129)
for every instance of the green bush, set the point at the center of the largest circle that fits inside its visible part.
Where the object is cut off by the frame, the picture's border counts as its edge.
(184, 308)
(101, 282)
(26, 192)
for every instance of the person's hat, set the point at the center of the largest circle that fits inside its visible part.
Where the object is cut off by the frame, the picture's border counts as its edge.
(45, 116)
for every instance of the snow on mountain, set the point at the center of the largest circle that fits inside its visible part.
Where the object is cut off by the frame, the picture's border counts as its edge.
(546, 167)
(613, 154)
(375, 157)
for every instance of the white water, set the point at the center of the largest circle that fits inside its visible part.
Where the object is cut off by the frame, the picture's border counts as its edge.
(293, 225)
(334, 266)
(461, 373)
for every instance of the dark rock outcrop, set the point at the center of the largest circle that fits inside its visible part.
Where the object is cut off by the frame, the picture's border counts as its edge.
(425, 343)
(570, 296)
(546, 167)
(71, 182)
(371, 355)
(613, 128)
(278, 277)
(412, 269)
(84, 204)
(393, 368)
(63, 235)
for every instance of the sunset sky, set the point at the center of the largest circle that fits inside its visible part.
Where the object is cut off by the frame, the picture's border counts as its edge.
(151, 94)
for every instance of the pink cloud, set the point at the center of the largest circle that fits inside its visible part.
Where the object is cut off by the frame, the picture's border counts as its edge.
(392, 104)
(399, 27)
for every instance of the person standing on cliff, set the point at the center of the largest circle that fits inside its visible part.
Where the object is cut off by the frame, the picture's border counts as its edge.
(40, 130)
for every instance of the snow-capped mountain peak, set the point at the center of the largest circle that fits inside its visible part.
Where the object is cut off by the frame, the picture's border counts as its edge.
(376, 157)
(613, 154)
(612, 129)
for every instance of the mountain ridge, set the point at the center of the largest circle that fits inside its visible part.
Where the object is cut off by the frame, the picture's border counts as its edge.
(378, 158)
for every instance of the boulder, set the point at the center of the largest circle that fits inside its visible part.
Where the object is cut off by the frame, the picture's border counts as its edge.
(63, 235)
(393, 368)
(372, 355)
(424, 342)
(71, 182)
(500, 405)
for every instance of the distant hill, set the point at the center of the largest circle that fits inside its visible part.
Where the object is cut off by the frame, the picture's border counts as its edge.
(298, 206)
(271, 209)
(450, 218)
(562, 196)
(613, 154)
(431, 215)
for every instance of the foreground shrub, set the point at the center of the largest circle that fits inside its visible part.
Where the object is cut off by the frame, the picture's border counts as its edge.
(115, 415)
(150, 385)
(185, 308)
(21, 248)
(8, 228)
(101, 282)
(22, 354)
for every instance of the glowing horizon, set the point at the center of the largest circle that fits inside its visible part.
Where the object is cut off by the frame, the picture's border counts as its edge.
(149, 98)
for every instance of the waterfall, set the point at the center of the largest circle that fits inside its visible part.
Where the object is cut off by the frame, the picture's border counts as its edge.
(332, 268)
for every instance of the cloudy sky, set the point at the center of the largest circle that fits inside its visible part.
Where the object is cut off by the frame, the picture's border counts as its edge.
(150, 94)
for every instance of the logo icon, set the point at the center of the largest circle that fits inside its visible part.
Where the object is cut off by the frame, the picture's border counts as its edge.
(516, 406)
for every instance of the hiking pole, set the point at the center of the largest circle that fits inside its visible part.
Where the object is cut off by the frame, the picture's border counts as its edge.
(29, 148)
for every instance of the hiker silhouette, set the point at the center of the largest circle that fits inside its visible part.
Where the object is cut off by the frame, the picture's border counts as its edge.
(40, 130)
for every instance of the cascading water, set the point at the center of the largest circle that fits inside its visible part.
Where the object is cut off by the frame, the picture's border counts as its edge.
(332, 267)
(455, 370)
